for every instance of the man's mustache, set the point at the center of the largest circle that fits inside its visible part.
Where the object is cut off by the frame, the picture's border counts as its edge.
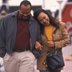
(24, 16)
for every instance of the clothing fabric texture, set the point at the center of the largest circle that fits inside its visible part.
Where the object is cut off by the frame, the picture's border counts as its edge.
(48, 31)
(8, 33)
(55, 60)
(8, 30)
(61, 39)
(19, 62)
(49, 71)
(45, 70)
(22, 36)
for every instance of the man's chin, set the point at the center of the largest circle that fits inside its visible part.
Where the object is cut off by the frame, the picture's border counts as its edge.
(24, 18)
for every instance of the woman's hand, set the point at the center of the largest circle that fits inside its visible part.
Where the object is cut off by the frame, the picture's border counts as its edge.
(51, 44)
(38, 46)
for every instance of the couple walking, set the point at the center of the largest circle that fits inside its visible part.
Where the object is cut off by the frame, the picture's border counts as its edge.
(23, 38)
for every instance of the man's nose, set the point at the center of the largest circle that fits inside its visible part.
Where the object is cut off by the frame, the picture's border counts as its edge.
(25, 14)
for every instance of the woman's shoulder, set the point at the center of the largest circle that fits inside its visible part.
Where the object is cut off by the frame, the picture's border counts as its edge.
(62, 24)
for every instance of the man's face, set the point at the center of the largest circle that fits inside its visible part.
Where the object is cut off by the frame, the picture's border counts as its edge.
(24, 12)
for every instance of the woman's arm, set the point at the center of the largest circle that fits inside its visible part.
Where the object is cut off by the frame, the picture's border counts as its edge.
(65, 37)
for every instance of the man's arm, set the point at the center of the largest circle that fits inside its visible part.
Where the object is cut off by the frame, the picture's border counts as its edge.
(38, 43)
(2, 39)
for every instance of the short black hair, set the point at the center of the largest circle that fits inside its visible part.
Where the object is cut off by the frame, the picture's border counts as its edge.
(26, 3)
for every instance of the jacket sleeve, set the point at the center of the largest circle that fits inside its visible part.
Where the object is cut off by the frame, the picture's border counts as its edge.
(37, 52)
(39, 36)
(65, 38)
(2, 39)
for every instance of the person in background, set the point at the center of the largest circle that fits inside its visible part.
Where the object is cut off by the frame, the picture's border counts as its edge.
(50, 42)
(18, 33)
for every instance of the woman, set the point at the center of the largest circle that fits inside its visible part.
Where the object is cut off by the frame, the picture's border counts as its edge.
(50, 42)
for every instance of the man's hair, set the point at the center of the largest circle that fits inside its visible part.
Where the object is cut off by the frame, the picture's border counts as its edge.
(25, 3)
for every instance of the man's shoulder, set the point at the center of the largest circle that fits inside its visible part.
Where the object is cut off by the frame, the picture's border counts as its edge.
(35, 22)
(10, 15)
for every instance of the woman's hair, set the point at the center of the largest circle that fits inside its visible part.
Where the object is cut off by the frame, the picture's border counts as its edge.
(53, 21)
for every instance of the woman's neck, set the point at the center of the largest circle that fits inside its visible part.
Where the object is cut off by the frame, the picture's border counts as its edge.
(47, 25)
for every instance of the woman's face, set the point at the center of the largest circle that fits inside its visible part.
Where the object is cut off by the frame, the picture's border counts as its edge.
(43, 19)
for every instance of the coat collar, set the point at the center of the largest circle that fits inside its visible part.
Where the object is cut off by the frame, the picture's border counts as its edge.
(54, 28)
(14, 14)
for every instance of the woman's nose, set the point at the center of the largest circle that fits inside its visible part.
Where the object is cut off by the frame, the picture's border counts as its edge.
(43, 20)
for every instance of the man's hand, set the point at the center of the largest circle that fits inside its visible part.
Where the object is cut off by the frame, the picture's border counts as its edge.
(38, 46)
(51, 44)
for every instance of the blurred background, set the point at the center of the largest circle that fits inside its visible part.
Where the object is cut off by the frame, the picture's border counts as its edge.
(60, 9)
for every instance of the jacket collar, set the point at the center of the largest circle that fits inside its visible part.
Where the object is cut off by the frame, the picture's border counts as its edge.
(54, 28)
(31, 20)
(14, 14)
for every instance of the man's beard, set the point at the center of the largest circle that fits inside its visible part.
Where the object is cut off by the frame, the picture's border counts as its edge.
(25, 19)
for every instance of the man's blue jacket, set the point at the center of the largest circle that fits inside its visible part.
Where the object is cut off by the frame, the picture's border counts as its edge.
(8, 30)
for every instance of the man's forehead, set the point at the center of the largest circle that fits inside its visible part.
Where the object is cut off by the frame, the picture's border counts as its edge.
(23, 6)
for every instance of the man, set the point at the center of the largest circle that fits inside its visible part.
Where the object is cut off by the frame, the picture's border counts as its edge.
(18, 34)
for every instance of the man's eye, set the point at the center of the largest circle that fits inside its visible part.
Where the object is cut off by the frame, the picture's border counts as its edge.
(22, 13)
(28, 12)
(44, 17)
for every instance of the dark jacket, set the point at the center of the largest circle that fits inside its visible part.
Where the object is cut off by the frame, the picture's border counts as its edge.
(8, 30)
